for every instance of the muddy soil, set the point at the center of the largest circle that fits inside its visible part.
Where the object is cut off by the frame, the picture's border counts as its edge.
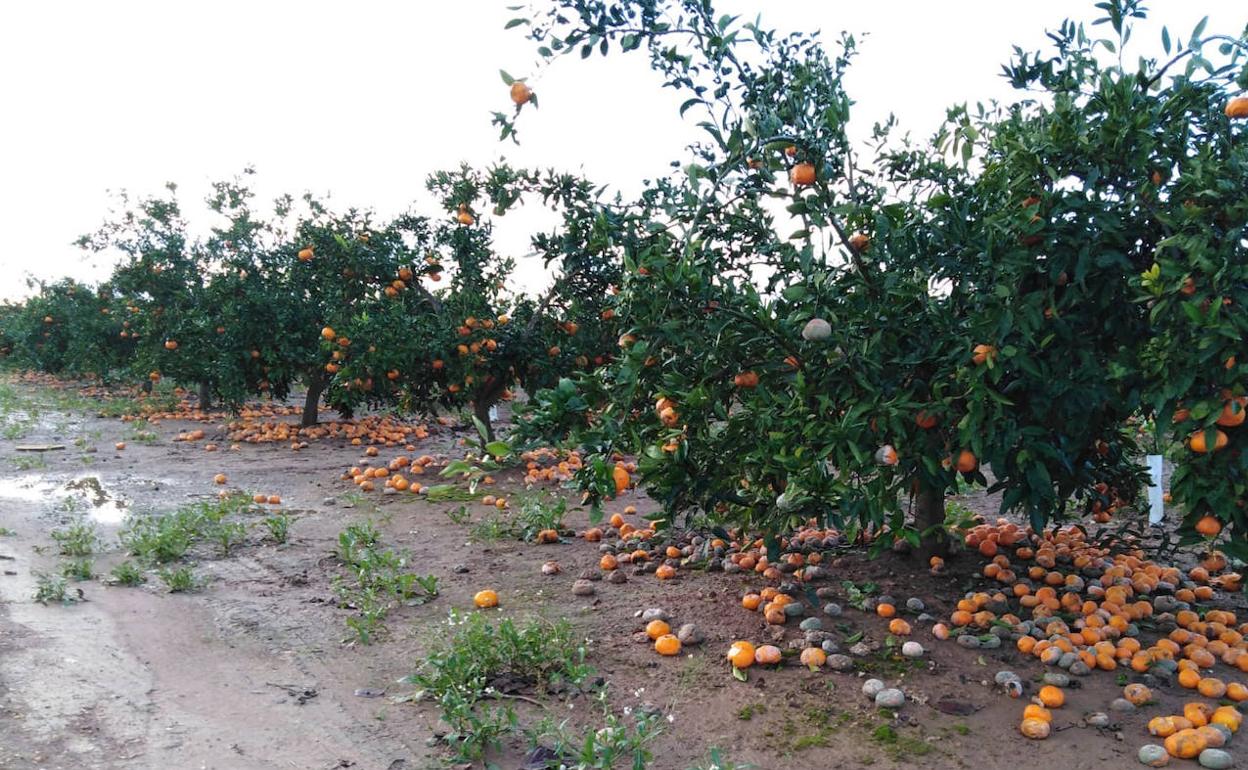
(258, 669)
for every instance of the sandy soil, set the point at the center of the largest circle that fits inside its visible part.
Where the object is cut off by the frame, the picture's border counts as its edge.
(257, 669)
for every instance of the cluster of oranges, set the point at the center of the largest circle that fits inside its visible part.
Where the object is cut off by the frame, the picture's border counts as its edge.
(635, 547)
(546, 464)
(1188, 734)
(372, 429)
(1057, 575)
(392, 475)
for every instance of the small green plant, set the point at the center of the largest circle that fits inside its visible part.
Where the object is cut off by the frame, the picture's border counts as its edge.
(139, 433)
(957, 516)
(167, 538)
(621, 739)
(179, 580)
(78, 539)
(449, 493)
(278, 526)
(459, 515)
(856, 595)
(128, 574)
(28, 462)
(495, 526)
(355, 538)
(377, 579)
(5, 532)
(77, 569)
(229, 535)
(898, 744)
(535, 513)
(54, 588)
(457, 674)
(428, 584)
(19, 429)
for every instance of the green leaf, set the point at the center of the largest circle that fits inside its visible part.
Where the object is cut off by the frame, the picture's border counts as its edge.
(507, 79)
(499, 449)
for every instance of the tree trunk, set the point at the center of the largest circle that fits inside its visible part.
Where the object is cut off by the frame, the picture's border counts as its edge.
(205, 396)
(312, 402)
(929, 518)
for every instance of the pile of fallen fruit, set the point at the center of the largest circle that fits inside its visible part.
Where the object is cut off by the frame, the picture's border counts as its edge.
(1076, 606)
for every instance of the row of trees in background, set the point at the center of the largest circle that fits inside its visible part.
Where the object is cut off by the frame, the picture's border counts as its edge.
(414, 313)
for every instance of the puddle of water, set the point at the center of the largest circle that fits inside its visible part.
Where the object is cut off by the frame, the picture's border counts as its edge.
(86, 494)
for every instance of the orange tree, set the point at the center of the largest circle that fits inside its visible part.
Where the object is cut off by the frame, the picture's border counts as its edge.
(240, 312)
(163, 277)
(815, 336)
(451, 329)
(68, 328)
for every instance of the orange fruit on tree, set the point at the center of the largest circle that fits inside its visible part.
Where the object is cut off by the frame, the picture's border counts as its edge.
(859, 242)
(925, 420)
(982, 353)
(1237, 107)
(1233, 412)
(1209, 526)
(520, 93)
(966, 461)
(305, 254)
(1198, 444)
(746, 380)
(802, 174)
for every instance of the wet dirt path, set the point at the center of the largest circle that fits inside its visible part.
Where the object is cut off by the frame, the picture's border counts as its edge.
(238, 676)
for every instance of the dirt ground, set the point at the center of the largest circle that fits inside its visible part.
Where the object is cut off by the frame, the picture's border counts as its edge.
(257, 669)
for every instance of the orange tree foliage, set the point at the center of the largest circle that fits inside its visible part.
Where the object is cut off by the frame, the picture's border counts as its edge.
(811, 333)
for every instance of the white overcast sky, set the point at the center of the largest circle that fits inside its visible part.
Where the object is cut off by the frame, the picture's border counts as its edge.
(364, 99)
